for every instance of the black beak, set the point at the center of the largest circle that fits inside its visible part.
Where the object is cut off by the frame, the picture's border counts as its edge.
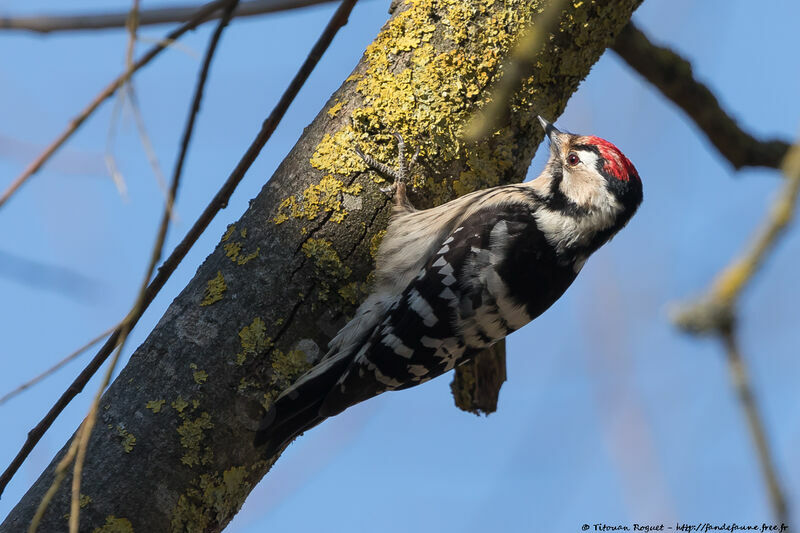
(549, 129)
(553, 135)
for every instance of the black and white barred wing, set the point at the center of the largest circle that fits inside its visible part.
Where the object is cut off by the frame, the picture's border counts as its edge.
(458, 305)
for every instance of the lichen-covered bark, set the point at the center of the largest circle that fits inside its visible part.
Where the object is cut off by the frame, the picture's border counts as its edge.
(172, 449)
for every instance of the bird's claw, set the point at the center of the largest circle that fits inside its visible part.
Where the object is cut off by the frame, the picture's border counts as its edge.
(398, 175)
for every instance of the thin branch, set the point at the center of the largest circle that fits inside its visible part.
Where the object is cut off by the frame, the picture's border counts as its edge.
(672, 75)
(111, 162)
(163, 15)
(715, 313)
(200, 16)
(61, 472)
(57, 366)
(220, 201)
(158, 248)
(147, 145)
(744, 391)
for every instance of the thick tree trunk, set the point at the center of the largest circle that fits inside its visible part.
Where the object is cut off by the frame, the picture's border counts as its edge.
(172, 450)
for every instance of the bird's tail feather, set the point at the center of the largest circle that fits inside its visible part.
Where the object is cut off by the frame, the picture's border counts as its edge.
(297, 409)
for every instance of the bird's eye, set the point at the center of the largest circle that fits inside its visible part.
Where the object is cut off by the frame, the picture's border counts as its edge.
(573, 159)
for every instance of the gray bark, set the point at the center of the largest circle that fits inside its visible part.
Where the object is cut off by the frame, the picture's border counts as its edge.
(213, 368)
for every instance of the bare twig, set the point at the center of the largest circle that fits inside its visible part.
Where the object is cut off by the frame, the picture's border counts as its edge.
(149, 150)
(61, 472)
(56, 366)
(111, 162)
(133, 27)
(220, 201)
(158, 247)
(200, 16)
(52, 23)
(744, 391)
(672, 75)
(715, 313)
(516, 68)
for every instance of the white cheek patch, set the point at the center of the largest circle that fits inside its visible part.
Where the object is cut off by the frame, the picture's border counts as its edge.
(585, 186)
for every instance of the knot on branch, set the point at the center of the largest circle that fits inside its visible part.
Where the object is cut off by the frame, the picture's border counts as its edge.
(704, 316)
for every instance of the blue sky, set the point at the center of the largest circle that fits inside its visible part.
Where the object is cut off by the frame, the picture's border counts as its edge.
(609, 415)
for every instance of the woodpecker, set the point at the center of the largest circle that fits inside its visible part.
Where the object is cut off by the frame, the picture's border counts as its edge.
(453, 280)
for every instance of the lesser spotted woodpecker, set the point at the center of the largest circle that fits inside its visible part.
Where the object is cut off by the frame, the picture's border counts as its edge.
(453, 280)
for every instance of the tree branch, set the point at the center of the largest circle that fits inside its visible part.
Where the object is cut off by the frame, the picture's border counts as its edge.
(200, 16)
(158, 247)
(715, 313)
(219, 202)
(672, 75)
(162, 15)
(282, 278)
(744, 390)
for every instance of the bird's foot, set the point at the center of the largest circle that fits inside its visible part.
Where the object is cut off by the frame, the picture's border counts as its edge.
(398, 175)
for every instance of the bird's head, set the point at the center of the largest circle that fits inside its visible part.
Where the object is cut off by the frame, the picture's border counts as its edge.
(589, 173)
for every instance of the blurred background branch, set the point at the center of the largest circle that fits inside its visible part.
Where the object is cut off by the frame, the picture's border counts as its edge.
(168, 267)
(715, 313)
(672, 75)
(163, 15)
(200, 15)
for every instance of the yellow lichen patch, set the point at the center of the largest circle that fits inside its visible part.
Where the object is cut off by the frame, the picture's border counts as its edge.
(215, 288)
(155, 405)
(429, 95)
(335, 108)
(115, 525)
(200, 377)
(335, 153)
(229, 232)
(180, 404)
(246, 383)
(328, 267)
(232, 250)
(84, 500)
(268, 399)
(243, 233)
(324, 197)
(212, 500)
(192, 434)
(244, 259)
(375, 243)
(128, 440)
(253, 340)
(289, 366)
(484, 161)
(351, 292)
